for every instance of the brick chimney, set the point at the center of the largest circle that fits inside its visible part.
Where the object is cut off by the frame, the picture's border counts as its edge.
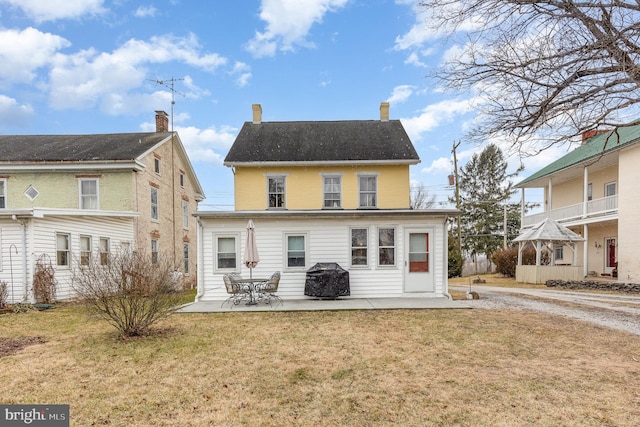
(257, 114)
(591, 133)
(162, 121)
(384, 111)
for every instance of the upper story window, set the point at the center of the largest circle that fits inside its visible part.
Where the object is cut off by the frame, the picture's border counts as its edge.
(359, 247)
(3, 193)
(387, 246)
(88, 193)
(154, 203)
(276, 191)
(63, 249)
(368, 191)
(332, 192)
(181, 179)
(590, 191)
(156, 165)
(185, 214)
(610, 189)
(31, 193)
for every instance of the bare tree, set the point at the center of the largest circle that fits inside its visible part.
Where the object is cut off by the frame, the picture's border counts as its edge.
(420, 198)
(543, 70)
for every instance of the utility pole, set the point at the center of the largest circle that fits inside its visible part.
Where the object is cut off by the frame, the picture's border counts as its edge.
(455, 173)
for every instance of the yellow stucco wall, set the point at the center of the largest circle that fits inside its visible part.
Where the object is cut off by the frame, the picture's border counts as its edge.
(60, 190)
(304, 186)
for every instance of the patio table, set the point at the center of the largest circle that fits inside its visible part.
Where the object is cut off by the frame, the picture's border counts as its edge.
(252, 286)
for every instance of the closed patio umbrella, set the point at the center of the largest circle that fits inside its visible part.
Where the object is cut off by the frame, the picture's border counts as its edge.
(251, 258)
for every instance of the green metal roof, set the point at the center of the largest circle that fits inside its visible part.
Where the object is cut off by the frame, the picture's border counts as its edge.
(594, 147)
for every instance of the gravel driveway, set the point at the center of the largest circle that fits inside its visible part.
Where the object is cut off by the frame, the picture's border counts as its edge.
(616, 311)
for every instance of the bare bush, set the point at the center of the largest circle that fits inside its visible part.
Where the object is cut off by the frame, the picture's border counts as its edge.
(44, 281)
(4, 294)
(131, 292)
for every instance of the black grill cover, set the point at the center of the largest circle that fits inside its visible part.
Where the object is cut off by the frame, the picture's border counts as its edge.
(327, 280)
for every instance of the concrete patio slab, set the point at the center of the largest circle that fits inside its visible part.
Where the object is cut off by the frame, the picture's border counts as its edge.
(323, 304)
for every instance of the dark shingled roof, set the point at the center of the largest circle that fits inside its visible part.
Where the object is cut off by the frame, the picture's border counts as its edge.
(327, 141)
(78, 148)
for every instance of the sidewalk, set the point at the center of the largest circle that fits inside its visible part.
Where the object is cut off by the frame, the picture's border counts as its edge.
(320, 304)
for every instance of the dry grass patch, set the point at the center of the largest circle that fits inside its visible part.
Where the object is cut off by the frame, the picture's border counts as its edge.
(347, 368)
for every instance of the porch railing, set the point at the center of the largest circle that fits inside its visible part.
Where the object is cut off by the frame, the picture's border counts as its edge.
(598, 207)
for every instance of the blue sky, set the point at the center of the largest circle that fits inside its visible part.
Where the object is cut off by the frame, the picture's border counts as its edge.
(90, 66)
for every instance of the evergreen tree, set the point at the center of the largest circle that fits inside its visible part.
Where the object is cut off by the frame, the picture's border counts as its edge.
(485, 188)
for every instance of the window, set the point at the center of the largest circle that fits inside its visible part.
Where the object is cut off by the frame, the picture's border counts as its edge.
(185, 252)
(332, 192)
(62, 249)
(88, 193)
(368, 191)
(154, 203)
(276, 191)
(185, 214)
(590, 191)
(418, 252)
(156, 165)
(104, 251)
(559, 253)
(359, 244)
(31, 193)
(181, 179)
(3, 193)
(610, 189)
(154, 251)
(226, 250)
(387, 246)
(296, 250)
(85, 250)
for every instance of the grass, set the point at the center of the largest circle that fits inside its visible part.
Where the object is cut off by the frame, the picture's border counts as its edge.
(346, 368)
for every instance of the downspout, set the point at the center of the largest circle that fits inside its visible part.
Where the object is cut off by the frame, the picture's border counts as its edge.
(24, 257)
(199, 259)
(445, 255)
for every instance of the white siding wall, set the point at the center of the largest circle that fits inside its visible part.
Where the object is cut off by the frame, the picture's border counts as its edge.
(11, 260)
(328, 241)
(43, 233)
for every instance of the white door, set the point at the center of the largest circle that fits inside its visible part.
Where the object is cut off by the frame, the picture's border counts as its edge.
(418, 265)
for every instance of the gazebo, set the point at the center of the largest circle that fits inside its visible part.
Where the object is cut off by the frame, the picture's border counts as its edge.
(547, 234)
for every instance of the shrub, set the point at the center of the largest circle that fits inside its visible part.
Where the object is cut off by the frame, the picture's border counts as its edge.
(506, 260)
(4, 294)
(130, 292)
(455, 260)
(44, 281)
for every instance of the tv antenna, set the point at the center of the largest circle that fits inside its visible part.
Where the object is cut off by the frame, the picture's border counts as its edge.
(170, 84)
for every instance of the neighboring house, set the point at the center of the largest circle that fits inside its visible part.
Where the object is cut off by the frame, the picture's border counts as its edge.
(64, 198)
(592, 190)
(330, 191)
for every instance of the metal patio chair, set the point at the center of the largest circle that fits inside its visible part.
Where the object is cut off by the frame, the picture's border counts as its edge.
(237, 291)
(267, 291)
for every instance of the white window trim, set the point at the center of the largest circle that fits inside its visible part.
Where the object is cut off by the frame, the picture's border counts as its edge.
(68, 265)
(80, 181)
(350, 255)
(395, 247)
(277, 175)
(368, 175)
(331, 175)
(4, 193)
(606, 185)
(28, 192)
(108, 251)
(152, 189)
(185, 261)
(157, 251)
(90, 250)
(185, 215)
(157, 166)
(217, 236)
(285, 249)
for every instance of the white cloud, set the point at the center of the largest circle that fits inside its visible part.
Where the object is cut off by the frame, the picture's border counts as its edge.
(23, 52)
(434, 115)
(287, 24)
(87, 78)
(401, 94)
(441, 165)
(242, 73)
(145, 12)
(13, 114)
(207, 145)
(51, 10)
